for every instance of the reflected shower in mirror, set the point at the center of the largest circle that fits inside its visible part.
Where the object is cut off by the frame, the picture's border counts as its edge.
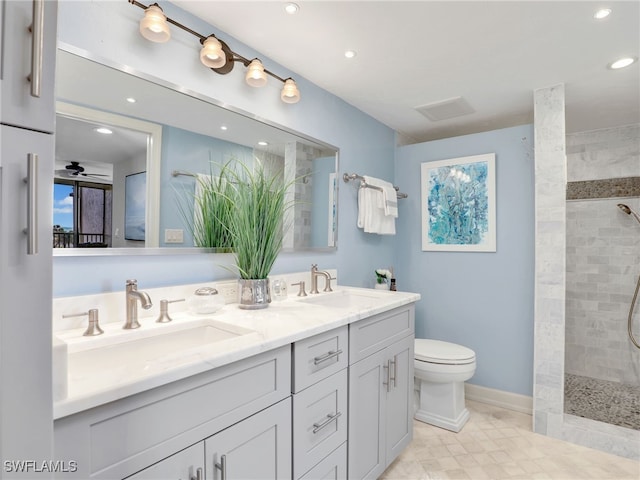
(172, 137)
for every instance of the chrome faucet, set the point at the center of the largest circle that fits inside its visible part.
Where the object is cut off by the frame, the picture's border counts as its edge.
(133, 295)
(315, 273)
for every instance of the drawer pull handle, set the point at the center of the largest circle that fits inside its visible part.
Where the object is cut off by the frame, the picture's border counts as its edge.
(32, 204)
(387, 369)
(222, 466)
(199, 475)
(330, 418)
(326, 356)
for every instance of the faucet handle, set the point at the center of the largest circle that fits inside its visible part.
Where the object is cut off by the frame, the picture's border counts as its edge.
(93, 328)
(132, 282)
(327, 285)
(164, 310)
(301, 292)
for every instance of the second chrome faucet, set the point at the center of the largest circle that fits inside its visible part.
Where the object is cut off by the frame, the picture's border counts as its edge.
(133, 296)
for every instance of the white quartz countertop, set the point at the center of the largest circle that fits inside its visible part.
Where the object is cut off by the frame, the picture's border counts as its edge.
(103, 376)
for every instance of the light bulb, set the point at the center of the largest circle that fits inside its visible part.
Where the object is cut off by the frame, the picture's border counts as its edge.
(154, 26)
(290, 92)
(621, 63)
(255, 74)
(211, 54)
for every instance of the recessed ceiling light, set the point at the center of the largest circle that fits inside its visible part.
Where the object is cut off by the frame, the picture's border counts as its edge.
(602, 13)
(131, 100)
(350, 53)
(621, 63)
(223, 127)
(291, 8)
(104, 131)
(263, 143)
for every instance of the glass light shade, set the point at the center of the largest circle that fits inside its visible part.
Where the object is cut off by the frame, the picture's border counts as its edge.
(212, 55)
(290, 92)
(154, 26)
(255, 74)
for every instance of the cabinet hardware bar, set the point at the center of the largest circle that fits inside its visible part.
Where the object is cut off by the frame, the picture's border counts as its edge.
(394, 362)
(32, 204)
(387, 383)
(222, 466)
(37, 47)
(326, 356)
(330, 418)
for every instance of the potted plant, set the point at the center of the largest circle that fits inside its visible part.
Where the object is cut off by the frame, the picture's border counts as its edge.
(256, 226)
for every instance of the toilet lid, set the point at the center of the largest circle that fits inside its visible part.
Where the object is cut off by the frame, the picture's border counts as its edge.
(436, 351)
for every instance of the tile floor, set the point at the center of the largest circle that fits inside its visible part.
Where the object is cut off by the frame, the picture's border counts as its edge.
(496, 444)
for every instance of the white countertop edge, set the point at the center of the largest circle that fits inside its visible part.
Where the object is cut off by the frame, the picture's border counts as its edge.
(211, 358)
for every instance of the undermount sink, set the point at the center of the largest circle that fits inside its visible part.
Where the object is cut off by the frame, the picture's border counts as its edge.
(120, 355)
(347, 299)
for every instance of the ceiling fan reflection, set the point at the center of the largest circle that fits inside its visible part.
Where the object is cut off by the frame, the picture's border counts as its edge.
(74, 170)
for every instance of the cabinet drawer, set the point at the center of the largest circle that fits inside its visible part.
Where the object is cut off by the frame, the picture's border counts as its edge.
(332, 467)
(319, 421)
(182, 465)
(375, 333)
(320, 356)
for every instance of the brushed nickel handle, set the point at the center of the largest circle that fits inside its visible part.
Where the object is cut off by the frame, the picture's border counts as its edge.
(330, 418)
(37, 47)
(394, 362)
(222, 466)
(327, 356)
(199, 475)
(32, 204)
(387, 383)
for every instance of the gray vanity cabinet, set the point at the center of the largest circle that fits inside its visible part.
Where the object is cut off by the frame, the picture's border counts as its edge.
(26, 152)
(380, 391)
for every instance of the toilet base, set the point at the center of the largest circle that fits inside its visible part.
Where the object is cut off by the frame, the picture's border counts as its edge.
(441, 405)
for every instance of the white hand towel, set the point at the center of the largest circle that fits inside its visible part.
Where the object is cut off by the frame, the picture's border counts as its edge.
(371, 214)
(389, 195)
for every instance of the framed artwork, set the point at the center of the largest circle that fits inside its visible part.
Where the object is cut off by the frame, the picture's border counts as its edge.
(459, 204)
(135, 194)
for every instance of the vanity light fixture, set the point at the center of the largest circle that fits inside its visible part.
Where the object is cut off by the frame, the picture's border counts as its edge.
(215, 53)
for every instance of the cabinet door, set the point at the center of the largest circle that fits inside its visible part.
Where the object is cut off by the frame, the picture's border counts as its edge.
(399, 409)
(27, 72)
(367, 403)
(26, 402)
(187, 464)
(258, 447)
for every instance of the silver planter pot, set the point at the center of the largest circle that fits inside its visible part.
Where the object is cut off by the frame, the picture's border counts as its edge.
(253, 294)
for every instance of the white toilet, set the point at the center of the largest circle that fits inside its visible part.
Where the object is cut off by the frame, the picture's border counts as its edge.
(441, 368)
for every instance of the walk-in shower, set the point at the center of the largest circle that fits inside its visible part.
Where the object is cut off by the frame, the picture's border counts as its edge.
(602, 356)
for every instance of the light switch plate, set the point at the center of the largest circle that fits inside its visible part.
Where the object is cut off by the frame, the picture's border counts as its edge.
(173, 235)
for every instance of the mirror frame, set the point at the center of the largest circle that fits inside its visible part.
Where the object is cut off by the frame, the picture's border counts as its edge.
(154, 158)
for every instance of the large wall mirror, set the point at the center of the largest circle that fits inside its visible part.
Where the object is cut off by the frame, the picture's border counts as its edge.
(129, 152)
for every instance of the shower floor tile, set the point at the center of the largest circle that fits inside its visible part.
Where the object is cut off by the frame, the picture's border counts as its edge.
(610, 402)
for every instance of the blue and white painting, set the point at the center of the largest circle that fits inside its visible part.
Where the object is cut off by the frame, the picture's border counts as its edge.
(458, 204)
(135, 195)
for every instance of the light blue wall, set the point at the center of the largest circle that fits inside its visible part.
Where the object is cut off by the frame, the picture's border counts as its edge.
(322, 168)
(193, 153)
(481, 300)
(108, 30)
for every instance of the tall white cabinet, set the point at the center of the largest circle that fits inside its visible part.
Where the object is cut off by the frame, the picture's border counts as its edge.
(27, 53)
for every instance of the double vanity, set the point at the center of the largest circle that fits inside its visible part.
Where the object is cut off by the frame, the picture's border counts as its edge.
(311, 387)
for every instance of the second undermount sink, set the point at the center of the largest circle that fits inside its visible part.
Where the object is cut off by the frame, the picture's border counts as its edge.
(347, 299)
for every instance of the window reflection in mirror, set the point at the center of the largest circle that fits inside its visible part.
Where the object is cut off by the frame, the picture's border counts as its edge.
(190, 135)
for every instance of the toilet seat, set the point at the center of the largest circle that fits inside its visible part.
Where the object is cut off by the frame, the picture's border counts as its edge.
(444, 353)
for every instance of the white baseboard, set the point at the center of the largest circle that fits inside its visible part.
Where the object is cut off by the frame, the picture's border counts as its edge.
(499, 398)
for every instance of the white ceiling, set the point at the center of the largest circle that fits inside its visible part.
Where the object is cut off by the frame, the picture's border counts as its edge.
(493, 54)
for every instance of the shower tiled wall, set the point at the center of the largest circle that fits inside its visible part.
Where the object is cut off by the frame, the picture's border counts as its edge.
(603, 253)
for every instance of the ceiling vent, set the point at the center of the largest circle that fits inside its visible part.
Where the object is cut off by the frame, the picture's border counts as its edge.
(445, 109)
